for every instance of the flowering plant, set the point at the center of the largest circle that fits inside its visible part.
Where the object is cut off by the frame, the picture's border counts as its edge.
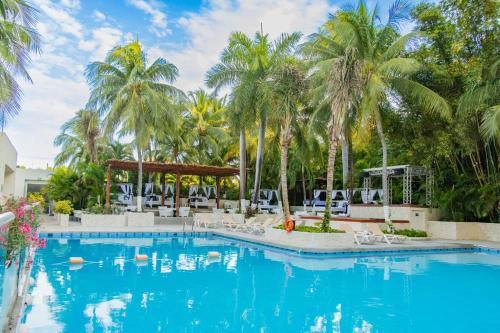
(22, 232)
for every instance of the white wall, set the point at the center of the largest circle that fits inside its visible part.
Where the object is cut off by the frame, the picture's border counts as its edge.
(464, 230)
(418, 216)
(29, 176)
(8, 161)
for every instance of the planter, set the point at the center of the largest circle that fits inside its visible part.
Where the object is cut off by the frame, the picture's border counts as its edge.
(103, 220)
(62, 219)
(309, 239)
(140, 219)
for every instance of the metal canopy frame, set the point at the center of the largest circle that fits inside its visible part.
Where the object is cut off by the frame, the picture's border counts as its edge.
(407, 172)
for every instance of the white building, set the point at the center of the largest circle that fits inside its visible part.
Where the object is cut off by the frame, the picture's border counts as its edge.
(14, 180)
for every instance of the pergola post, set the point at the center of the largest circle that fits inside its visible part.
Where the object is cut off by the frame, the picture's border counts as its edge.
(217, 191)
(177, 193)
(108, 187)
(163, 189)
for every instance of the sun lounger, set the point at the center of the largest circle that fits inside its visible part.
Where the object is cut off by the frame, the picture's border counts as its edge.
(260, 227)
(375, 230)
(360, 237)
(207, 220)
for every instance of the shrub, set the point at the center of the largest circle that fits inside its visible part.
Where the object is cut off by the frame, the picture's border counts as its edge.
(22, 232)
(37, 197)
(409, 232)
(310, 229)
(63, 207)
(98, 209)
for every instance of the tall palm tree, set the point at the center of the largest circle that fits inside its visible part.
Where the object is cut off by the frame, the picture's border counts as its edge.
(133, 96)
(386, 71)
(246, 65)
(205, 121)
(288, 85)
(380, 68)
(336, 78)
(18, 38)
(79, 139)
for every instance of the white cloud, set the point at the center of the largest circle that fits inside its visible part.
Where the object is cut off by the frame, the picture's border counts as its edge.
(208, 30)
(60, 17)
(158, 18)
(71, 4)
(103, 39)
(98, 16)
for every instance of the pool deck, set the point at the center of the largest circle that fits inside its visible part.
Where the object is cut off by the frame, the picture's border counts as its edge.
(49, 225)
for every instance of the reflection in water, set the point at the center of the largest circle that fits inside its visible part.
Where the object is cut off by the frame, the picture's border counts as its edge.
(245, 289)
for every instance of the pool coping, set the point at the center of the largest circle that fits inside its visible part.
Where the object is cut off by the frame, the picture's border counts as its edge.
(356, 250)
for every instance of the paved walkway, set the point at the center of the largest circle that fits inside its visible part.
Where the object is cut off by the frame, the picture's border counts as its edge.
(50, 225)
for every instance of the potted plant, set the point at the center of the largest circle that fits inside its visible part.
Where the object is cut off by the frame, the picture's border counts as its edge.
(62, 209)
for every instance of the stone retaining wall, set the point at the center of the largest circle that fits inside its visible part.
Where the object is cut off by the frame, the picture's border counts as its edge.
(464, 230)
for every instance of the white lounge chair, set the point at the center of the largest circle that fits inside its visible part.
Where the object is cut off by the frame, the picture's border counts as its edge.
(360, 237)
(260, 227)
(207, 220)
(375, 230)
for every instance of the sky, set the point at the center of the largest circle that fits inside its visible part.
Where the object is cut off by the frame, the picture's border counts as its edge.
(189, 33)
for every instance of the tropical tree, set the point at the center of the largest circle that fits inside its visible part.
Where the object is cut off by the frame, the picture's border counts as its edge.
(288, 85)
(206, 124)
(387, 73)
(336, 78)
(79, 139)
(133, 96)
(246, 65)
(380, 68)
(18, 38)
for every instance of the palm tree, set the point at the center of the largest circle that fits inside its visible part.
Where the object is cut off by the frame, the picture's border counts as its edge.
(386, 72)
(205, 122)
(79, 139)
(287, 85)
(133, 96)
(18, 38)
(336, 78)
(246, 65)
(484, 96)
(379, 67)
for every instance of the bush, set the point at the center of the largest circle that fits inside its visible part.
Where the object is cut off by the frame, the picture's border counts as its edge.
(37, 197)
(63, 207)
(310, 229)
(98, 209)
(409, 233)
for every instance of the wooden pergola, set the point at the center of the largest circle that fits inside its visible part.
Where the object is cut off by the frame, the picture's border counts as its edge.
(171, 168)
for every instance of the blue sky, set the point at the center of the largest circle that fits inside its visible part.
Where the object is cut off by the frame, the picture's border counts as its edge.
(188, 33)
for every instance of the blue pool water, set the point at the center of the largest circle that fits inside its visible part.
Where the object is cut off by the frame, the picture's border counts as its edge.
(250, 289)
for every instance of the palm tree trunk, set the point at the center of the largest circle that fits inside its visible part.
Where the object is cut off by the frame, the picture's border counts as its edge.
(283, 172)
(304, 187)
(332, 152)
(259, 160)
(139, 180)
(243, 168)
(345, 161)
(387, 212)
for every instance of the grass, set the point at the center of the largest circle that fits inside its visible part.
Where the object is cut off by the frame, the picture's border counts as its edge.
(409, 232)
(309, 229)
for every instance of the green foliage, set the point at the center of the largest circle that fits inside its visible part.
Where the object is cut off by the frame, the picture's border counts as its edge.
(18, 38)
(63, 207)
(36, 197)
(99, 209)
(408, 232)
(310, 229)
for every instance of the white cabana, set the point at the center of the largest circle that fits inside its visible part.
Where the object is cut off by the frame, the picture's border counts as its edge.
(127, 195)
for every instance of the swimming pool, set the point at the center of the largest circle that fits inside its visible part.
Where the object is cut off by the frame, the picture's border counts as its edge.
(251, 289)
